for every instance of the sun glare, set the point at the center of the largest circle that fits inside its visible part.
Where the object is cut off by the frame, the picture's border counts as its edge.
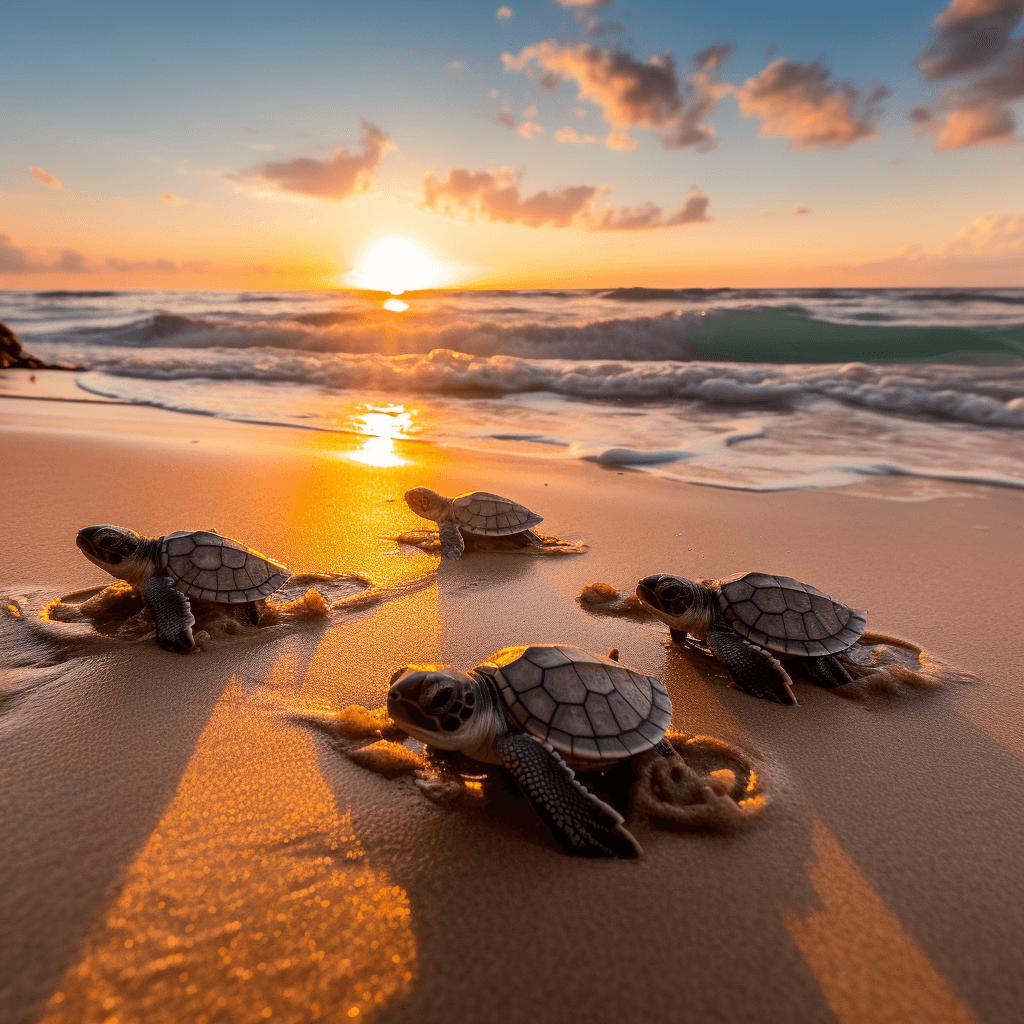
(397, 265)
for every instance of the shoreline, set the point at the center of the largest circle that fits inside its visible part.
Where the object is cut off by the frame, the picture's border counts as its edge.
(140, 787)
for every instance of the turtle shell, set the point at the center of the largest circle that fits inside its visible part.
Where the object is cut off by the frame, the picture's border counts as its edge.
(586, 706)
(787, 616)
(491, 514)
(215, 568)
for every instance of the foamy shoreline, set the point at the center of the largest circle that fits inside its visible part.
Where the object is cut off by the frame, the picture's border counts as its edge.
(140, 789)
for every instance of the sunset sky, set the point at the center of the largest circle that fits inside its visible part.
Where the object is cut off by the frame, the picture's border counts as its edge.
(542, 143)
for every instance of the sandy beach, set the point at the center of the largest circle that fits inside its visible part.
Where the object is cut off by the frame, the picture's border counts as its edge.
(180, 845)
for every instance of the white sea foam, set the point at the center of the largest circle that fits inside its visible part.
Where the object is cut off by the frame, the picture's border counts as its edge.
(758, 389)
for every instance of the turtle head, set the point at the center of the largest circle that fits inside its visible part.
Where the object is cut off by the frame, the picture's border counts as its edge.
(437, 705)
(114, 549)
(677, 601)
(427, 503)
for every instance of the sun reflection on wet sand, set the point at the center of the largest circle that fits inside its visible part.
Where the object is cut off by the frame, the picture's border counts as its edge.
(252, 899)
(868, 967)
(383, 425)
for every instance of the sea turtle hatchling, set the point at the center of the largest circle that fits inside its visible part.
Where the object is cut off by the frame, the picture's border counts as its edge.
(476, 512)
(748, 618)
(541, 712)
(169, 570)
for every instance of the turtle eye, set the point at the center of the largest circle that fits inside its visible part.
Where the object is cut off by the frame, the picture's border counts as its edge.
(672, 592)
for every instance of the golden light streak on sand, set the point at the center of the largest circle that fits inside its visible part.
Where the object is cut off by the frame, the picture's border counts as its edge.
(252, 900)
(869, 969)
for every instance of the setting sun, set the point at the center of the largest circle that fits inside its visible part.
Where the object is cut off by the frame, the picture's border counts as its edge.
(397, 265)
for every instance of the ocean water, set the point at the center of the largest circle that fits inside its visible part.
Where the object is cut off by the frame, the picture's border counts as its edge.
(748, 389)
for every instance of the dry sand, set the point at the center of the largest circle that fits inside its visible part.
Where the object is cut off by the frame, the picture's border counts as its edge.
(177, 846)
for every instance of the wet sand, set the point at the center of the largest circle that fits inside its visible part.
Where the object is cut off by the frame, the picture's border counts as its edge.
(179, 846)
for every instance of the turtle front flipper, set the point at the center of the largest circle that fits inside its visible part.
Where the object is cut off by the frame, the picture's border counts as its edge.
(826, 671)
(754, 669)
(452, 544)
(581, 824)
(171, 612)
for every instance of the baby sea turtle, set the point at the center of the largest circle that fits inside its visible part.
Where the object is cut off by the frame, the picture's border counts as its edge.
(541, 712)
(476, 512)
(198, 564)
(745, 618)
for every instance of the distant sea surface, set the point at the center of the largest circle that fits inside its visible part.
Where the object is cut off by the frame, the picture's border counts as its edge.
(749, 389)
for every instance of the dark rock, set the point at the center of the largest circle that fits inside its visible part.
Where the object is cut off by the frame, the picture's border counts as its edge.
(11, 355)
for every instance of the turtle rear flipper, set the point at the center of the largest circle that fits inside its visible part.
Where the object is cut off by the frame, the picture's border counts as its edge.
(826, 671)
(753, 668)
(581, 824)
(171, 612)
(452, 544)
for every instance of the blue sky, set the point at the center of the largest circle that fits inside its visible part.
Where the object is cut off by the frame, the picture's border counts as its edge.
(119, 105)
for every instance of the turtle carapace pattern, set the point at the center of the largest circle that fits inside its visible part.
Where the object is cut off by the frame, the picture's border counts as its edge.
(747, 619)
(169, 570)
(541, 712)
(476, 512)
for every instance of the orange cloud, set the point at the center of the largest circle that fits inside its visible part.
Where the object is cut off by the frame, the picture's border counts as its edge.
(571, 135)
(993, 235)
(14, 260)
(172, 200)
(503, 13)
(495, 196)
(974, 38)
(342, 176)
(632, 93)
(43, 178)
(799, 103)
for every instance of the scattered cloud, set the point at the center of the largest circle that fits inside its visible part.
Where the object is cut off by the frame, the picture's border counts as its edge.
(800, 209)
(161, 265)
(572, 136)
(969, 35)
(494, 195)
(43, 178)
(580, 112)
(454, 65)
(993, 235)
(799, 102)
(172, 200)
(526, 128)
(503, 13)
(693, 211)
(974, 42)
(342, 176)
(71, 262)
(14, 260)
(583, 3)
(633, 93)
(621, 141)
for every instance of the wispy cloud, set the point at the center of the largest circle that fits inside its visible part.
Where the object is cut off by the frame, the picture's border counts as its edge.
(973, 41)
(801, 210)
(494, 195)
(630, 92)
(526, 128)
(44, 178)
(14, 260)
(572, 136)
(172, 200)
(799, 102)
(503, 13)
(342, 176)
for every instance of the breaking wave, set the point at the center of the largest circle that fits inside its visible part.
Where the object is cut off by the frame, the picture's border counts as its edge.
(988, 396)
(776, 335)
